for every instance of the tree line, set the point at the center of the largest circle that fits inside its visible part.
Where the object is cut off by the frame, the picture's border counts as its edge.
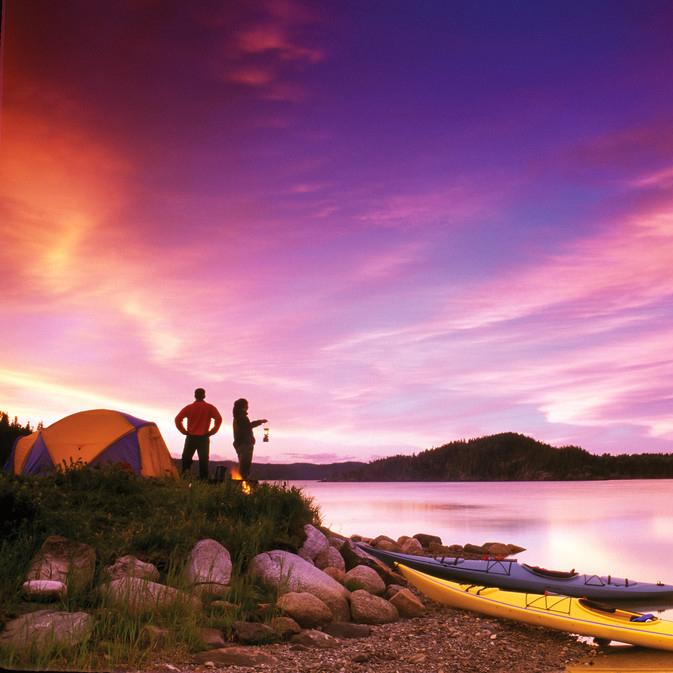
(10, 430)
(511, 457)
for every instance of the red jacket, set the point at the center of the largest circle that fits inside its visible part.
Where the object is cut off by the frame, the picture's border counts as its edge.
(198, 415)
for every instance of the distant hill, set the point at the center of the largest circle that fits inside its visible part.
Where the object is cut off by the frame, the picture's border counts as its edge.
(289, 471)
(509, 457)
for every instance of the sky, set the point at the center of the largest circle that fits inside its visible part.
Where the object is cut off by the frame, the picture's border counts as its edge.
(388, 225)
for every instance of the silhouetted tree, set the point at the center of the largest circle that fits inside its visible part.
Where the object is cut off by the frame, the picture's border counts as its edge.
(511, 457)
(8, 434)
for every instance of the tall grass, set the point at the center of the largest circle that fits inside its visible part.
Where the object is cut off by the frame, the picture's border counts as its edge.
(158, 521)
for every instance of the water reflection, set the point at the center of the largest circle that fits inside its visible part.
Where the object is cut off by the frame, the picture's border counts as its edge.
(625, 659)
(622, 528)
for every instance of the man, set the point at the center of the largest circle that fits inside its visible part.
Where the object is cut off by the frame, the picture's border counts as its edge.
(198, 414)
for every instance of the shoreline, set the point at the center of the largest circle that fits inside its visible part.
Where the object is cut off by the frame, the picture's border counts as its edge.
(444, 640)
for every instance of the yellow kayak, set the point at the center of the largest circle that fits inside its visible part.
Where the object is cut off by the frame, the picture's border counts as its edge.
(574, 615)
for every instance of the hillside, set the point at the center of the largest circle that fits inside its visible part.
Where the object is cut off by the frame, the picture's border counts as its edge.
(289, 471)
(510, 457)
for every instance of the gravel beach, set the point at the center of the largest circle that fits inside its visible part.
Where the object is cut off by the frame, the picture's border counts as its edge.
(444, 640)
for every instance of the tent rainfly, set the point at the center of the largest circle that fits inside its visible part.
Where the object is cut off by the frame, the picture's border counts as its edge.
(95, 437)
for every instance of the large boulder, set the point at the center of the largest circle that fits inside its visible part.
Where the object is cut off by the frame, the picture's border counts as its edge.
(306, 609)
(130, 566)
(138, 595)
(45, 628)
(363, 577)
(315, 543)
(208, 567)
(62, 560)
(330, 557)
(407, 604)
(369, 609)
(289, 572)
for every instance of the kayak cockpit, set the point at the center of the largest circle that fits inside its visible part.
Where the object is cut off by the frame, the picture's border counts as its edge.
(552, 574)
(617, 613)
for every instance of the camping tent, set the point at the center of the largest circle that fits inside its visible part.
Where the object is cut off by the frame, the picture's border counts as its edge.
(95, 437)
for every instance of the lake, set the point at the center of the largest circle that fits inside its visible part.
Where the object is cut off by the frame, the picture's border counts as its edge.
(622, 528)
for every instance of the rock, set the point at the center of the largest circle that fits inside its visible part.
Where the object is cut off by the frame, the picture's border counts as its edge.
(412, 546)
(285, 627)
(212, 638)
(226, 606)
(336, 540)
(249, 657)
(335, 574)
(347, 630)
(208, 568)
(407, 604)
(330, 557)
(496, 549)
(386, 543)
(354, 556)
(44, 590)
(391, 590)
(254, 633)
(306, 609)
(363, 577)
(130, 566)
(63, 560)
(154, 636)
(289, 572)
(474, 549)
(436, 549)
(315, 543)
(369, 609)
(426, 539)
(312, 638)
(139, 595)
(500, 549)
(45, 628)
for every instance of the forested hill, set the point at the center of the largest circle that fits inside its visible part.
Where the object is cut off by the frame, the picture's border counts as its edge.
(510, 457)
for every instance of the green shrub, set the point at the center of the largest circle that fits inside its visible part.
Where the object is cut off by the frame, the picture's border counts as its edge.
(156, 520)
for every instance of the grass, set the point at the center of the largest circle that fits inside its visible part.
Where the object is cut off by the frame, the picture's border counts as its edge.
(158, 521)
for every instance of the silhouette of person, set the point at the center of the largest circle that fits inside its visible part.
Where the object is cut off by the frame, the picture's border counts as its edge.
(198, 414)
(244, 438)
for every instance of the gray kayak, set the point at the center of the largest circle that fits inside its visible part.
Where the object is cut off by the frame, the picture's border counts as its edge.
(515, 576)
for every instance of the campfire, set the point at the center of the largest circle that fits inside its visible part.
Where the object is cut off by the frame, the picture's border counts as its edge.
(246, 486)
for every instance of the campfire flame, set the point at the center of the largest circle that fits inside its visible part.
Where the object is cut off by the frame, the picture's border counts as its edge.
(236, 476)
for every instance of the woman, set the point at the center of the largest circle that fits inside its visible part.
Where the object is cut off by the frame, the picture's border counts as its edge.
(244, 439)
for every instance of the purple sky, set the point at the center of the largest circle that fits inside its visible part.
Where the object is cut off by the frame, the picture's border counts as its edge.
(389, 225)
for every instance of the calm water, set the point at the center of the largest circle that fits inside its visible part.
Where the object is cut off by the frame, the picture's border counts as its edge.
(622, 528)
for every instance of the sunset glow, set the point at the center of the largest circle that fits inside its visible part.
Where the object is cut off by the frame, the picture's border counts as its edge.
(386, 226)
